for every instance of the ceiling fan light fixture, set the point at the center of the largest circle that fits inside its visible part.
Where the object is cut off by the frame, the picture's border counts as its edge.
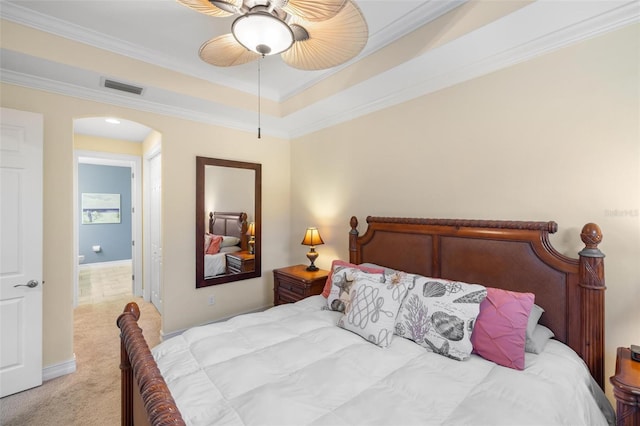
(262, 32)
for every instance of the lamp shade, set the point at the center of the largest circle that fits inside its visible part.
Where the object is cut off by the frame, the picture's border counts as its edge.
(262, 33)
(312, 238)
(251, 229)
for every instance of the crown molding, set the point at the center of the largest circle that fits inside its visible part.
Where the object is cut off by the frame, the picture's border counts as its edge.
(408, 23)
(437, 69)
(214, 114)
(28, 17)
(419, 83)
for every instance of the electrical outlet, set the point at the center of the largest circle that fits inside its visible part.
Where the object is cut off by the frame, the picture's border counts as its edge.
(212, 300)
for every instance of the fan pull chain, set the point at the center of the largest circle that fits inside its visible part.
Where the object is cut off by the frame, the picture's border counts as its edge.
(259, 60)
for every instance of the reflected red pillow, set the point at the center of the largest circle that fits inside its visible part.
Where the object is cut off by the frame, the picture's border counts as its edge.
(214, 246)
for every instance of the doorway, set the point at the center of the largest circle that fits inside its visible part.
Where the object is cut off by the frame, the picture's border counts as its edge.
(153, 227)
(107, 166)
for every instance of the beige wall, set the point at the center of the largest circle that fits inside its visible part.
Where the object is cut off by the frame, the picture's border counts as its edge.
(112, 146)
(181, 140)
(556, 138)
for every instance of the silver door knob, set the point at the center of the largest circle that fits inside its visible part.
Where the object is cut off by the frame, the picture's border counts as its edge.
(30, 284)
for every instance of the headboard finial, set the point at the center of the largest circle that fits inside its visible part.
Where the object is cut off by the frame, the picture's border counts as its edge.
(591, 236)
(132, 309)
(354, 223)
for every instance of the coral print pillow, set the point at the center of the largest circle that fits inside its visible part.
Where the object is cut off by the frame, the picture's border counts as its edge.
(440, 315)
(372, 309)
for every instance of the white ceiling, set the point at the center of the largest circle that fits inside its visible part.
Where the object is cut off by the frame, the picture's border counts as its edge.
(167, 34)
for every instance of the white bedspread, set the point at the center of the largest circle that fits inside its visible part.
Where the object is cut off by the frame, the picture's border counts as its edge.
(291, 365)
(214, 264)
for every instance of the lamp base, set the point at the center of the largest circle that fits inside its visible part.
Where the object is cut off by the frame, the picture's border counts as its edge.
(312, 256)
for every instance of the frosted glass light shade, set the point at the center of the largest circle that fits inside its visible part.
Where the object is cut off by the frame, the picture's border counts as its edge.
(262, 33)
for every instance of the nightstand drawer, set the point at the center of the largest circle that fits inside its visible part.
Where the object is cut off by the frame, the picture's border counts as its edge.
(240, 261)
(234, 262)
(292, 286)
(285, 296)
(295, 283)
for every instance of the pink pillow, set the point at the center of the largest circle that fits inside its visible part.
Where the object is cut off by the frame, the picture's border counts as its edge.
(499, 334)
(327, 285)
(214, 247)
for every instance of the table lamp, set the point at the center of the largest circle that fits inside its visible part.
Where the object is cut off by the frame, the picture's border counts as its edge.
(312, 238)
(251, 232)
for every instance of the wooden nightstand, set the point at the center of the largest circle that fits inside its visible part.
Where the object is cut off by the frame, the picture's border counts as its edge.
(240, 261)
(626, 389)
(295, 283)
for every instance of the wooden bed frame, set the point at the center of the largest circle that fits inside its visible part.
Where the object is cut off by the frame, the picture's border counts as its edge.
(515, 256)
(230, 223)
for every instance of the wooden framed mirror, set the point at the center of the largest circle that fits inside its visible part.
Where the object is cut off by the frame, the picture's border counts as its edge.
(228, 221)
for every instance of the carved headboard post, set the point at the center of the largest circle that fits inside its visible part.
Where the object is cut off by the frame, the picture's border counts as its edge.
(244, 227)
(592, 286)
(353, 237)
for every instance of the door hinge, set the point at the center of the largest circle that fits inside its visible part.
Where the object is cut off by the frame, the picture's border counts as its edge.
(133, 243)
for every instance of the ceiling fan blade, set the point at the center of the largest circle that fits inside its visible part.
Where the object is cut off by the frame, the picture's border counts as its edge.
(217, 8)
(227, 5)
(331, 42)
(225, 51)
(314, 10)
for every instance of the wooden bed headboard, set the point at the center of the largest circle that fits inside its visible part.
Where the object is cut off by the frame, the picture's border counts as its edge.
(515, 256)
(231, 224)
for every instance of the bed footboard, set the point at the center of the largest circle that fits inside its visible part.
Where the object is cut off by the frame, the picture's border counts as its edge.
(137, 362)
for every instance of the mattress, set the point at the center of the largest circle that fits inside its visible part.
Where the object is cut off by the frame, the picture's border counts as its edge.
(291, 365)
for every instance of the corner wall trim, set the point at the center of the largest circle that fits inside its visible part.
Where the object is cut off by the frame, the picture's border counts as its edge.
(57, 370)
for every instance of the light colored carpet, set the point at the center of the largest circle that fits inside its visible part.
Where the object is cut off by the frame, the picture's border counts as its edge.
(91, 395)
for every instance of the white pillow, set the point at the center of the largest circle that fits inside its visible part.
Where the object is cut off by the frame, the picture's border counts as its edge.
(207, 241)
(534, 317)
(539, 339)
(231, 249)
(440, 314)
(228, 241)
(532, 322)
(373, 307)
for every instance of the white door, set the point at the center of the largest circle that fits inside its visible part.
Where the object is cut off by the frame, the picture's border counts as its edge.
(20, 251)
(155, 178)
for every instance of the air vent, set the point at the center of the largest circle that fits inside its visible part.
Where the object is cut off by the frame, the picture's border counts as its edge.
(123, 87)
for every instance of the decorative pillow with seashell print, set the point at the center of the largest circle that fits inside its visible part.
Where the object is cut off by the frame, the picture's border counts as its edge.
(440, 314)
(342, 279)
(373, 306)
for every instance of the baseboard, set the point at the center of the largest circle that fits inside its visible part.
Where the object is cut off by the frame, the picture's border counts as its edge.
(58, 370)
(164, 337)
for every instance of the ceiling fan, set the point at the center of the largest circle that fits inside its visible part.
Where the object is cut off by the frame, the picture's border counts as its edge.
(309, 34)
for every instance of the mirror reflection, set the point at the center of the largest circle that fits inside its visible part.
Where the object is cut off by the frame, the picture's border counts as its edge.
(228, 221)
